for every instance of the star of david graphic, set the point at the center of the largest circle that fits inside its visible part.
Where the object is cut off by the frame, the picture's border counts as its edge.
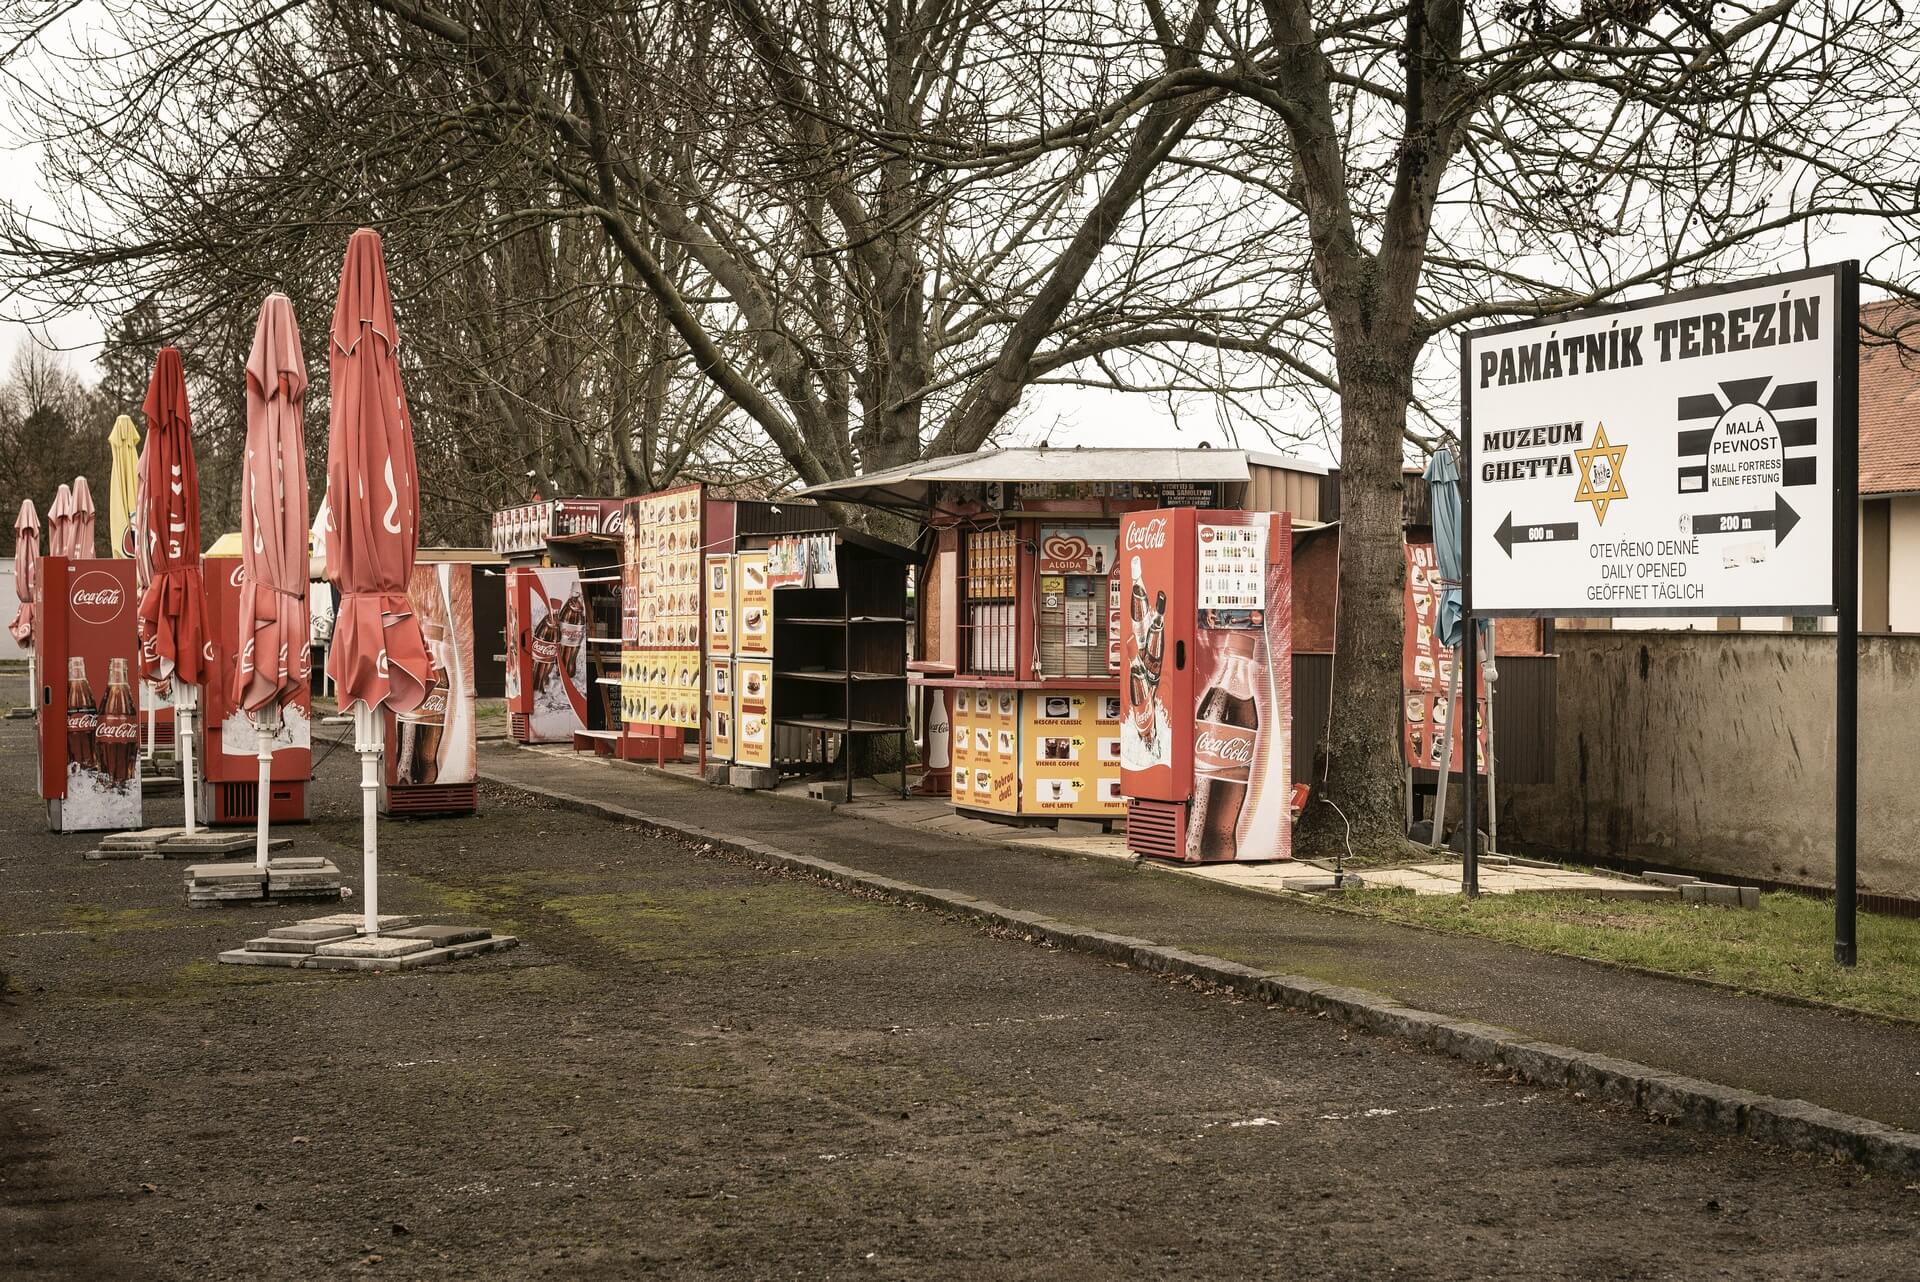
(1600, 482)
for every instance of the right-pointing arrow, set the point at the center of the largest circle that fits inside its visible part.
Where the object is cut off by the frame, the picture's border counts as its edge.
(1781, 521)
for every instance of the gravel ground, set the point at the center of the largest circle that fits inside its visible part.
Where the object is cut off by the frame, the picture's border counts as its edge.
(697, 1068)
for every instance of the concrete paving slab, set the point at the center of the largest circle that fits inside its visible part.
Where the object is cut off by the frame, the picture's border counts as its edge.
(294, 863)
(247, 957)
(380, 947)
(312, 932)
(223, 874)
(498, 943)
(357, 920)
(268, 944)
(443, 936)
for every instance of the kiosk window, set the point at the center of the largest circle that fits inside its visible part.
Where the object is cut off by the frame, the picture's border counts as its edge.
(1079, 601)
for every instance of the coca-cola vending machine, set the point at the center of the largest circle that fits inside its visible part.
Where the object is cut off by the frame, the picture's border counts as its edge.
(1206, 657)
(85, 649)
(546, 654)
(230, 752)
(433, 751)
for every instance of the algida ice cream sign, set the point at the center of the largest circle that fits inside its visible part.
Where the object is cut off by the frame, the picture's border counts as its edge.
(1676, 456)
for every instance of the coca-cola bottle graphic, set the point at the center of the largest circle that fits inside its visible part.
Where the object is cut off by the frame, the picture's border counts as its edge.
(117, 734)
(422, 729)
(546, 647)
(573, 632)
(83, 716)
(1226, 727)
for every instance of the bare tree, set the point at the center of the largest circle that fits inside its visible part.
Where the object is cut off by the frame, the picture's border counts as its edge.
(863, 229)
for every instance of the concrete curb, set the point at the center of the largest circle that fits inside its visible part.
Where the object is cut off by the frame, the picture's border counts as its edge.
(1786, 1123)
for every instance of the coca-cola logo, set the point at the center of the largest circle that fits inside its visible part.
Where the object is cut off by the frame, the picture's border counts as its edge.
(97, 598)
(82, 721)
(239, 575)
(121, 731)
(1228, 748)
(1147, 536)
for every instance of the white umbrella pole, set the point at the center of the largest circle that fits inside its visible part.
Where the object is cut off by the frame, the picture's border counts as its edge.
(183, 705)
(152, 749)
(366, 741)
(264, 727)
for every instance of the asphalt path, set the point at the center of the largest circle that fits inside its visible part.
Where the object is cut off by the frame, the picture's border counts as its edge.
(695, 1068)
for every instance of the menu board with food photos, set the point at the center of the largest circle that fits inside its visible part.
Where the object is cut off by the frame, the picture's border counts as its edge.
(1072, 753)
(1426, 670)
(661, 609)
(753, 596)
(753, 732)
(986, 750)
(720, 605)
(720, 709)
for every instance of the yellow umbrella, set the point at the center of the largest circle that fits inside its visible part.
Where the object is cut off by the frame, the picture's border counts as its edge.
(124, 491)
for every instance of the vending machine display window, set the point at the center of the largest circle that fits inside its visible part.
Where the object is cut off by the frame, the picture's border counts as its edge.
(1078, 599)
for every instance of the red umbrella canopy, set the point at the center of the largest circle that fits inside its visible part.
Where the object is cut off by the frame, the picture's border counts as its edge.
(26, 567)
(273, 516)
(80, 540)
(60, 521)
(167, 522)
(373, 498)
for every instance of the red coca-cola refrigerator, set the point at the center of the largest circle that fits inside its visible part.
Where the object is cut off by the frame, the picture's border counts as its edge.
(228, 758)
(546, 654)
(1206, 661)
(432, 758)
(87, 715)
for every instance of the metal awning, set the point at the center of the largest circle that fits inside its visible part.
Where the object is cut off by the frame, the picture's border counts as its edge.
(911, 485)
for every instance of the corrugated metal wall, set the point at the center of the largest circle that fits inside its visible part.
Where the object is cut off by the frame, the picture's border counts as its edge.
(1274, 489)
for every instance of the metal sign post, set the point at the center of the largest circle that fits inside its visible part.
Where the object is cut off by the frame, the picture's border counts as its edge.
(1846, 554)
(1691, 454)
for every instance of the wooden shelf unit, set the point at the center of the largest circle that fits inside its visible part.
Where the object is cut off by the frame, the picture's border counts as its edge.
(840, 654)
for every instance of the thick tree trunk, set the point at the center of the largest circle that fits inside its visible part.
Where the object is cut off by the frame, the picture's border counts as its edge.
(1362, 749)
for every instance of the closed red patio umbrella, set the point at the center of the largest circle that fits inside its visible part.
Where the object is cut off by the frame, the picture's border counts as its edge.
(26, 567)
(373, 524)
(60, 520)
(167, 529)
(80, 540)
(273, 537)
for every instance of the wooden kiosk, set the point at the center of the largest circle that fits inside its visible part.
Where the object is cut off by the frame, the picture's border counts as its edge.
(1019, 628)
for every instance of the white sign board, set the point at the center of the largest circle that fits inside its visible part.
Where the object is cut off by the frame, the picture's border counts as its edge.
(1674, 457)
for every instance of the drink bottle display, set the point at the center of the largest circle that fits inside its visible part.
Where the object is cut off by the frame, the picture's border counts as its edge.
(573, 631)
(83, 716)
(117, 734)
(1225, 731)
(422, 729)
(546, 646)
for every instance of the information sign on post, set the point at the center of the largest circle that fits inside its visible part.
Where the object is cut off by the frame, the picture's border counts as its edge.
(1693, 454)
(1673, 457)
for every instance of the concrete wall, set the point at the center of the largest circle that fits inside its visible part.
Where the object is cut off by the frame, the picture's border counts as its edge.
(1713, 752)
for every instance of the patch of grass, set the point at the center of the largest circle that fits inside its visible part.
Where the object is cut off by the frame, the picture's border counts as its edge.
(98, 921)
(1783, 947)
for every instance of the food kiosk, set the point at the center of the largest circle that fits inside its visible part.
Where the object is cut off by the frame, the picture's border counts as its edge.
(1022, 611)
(561, 640)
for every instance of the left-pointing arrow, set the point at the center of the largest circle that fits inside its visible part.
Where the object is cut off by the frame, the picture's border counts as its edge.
(1561, 532)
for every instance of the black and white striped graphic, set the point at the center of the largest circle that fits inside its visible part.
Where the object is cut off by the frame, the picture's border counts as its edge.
(1799, 434)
